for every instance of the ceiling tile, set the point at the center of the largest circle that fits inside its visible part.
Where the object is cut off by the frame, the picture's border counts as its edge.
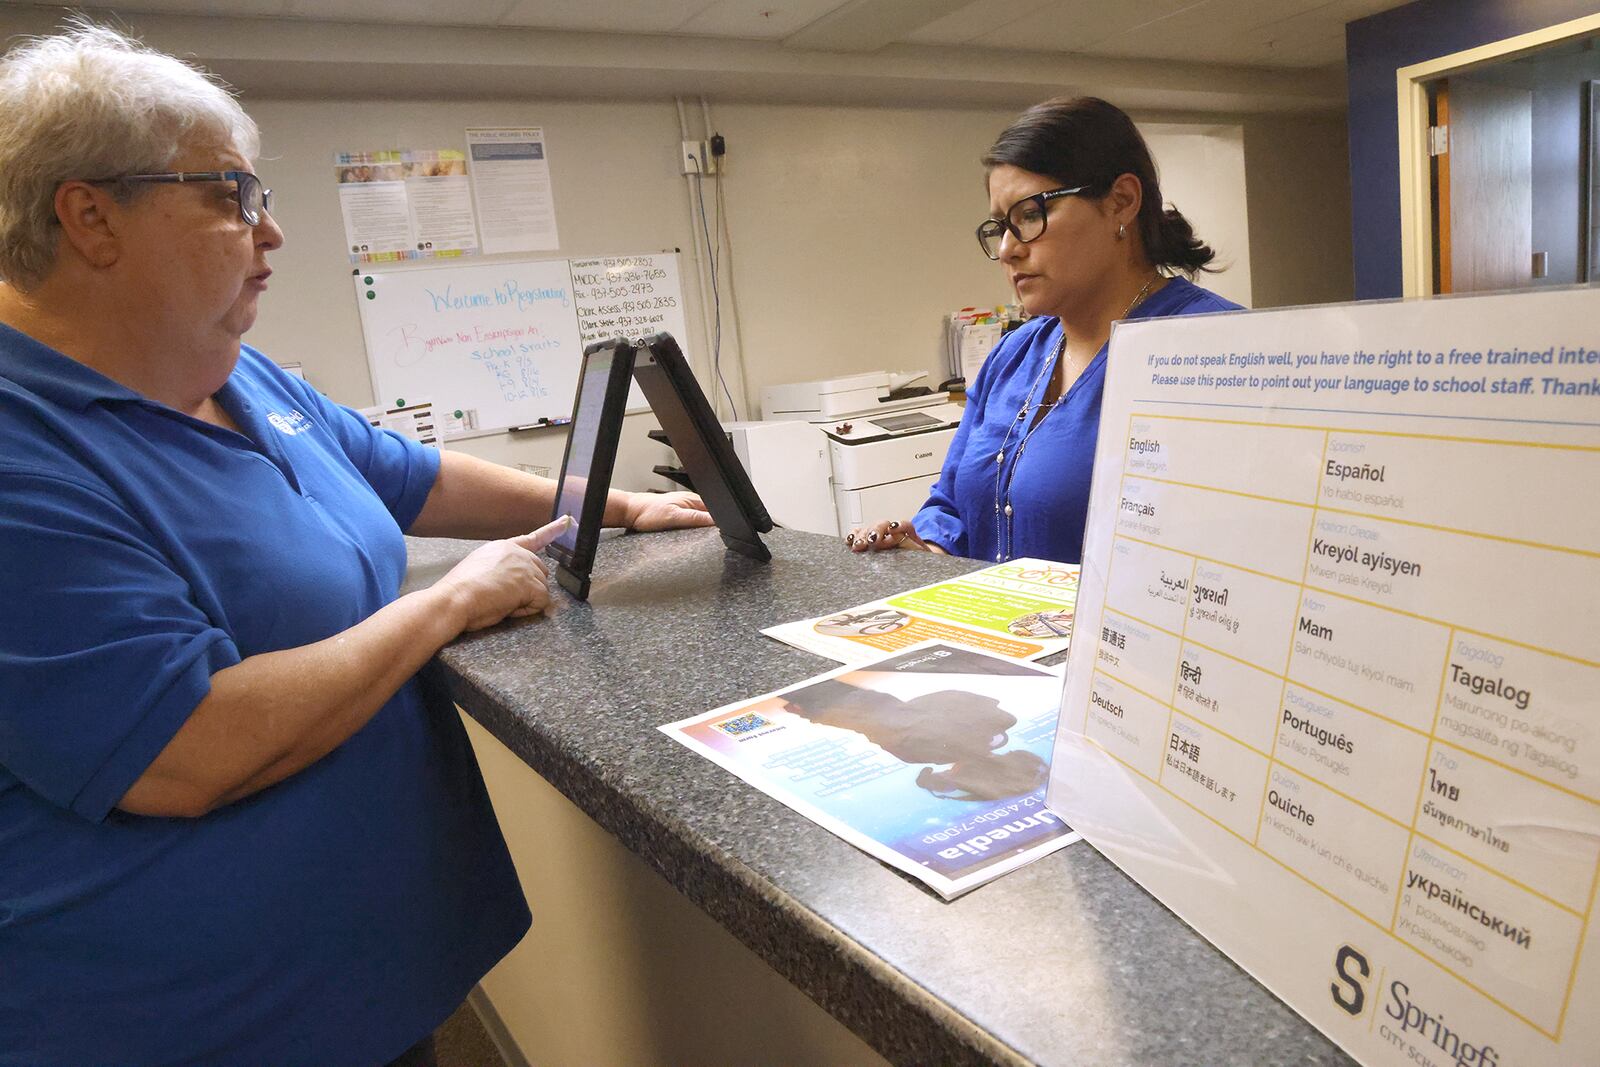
(1076, 25)
(1207, 31)
(226, 8)
(1237, 15)
(1315, 41)
(1285, 33)
(975, 21)
(1350, 10)
(605, 16)
(759, 19)
(868, 25)
(1309, 39)
(433, 12)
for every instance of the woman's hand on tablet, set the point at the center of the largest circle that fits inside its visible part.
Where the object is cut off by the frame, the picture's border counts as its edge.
(503, 579)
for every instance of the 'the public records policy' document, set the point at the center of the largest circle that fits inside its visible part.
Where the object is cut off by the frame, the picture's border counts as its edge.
(1335, 691)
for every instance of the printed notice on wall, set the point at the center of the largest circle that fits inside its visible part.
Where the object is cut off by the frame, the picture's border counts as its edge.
(511, 182)
(1359, 749)
(372, 200)
(405, 204)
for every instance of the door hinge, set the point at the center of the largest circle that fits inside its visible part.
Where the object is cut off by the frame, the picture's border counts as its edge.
(1438, 140)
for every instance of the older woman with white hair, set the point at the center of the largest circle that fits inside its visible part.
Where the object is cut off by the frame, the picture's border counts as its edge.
(230, 830)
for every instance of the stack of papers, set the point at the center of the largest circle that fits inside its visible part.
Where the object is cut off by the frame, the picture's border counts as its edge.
(930, 749)
(970, 334)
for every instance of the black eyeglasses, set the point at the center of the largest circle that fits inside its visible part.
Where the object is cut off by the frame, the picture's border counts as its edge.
(254, 198)
(1026, 219)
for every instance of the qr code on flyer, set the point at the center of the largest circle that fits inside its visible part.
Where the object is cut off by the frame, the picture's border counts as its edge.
(742, 725)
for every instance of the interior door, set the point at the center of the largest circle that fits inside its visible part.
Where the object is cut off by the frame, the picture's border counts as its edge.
(1486, 188)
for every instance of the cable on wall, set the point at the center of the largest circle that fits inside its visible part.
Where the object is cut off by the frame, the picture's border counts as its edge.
(723, 233)
(716, 294)
(701, 251)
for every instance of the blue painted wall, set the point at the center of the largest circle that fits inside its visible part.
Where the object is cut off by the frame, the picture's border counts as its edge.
(1377, 46)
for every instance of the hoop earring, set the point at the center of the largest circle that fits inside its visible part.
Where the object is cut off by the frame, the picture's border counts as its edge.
(1122, 230)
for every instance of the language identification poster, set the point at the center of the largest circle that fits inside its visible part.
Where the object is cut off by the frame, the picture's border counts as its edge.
(1022, 609)
(932, 760)
(1335, 698)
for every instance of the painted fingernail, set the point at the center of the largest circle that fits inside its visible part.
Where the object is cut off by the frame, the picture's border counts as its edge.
(894, 524)
(872, 538)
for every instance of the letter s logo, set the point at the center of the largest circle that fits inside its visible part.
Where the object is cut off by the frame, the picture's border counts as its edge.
(1356, 997)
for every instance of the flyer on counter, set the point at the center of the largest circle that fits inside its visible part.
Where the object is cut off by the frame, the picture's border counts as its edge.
(932, 760)
(1022, 609)
(1360, 751)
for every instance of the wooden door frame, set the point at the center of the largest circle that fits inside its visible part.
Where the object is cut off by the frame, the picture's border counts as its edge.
(1443, 280)
(1416, 202)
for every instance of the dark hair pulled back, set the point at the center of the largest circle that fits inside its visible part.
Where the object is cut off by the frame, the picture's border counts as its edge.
(1086, 141)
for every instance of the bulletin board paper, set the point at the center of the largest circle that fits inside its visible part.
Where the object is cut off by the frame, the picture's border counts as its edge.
(1332, 698)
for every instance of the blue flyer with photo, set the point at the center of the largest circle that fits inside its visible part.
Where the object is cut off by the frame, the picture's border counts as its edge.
(934, 759)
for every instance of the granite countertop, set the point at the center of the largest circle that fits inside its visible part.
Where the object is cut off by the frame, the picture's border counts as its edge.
(1066, 961)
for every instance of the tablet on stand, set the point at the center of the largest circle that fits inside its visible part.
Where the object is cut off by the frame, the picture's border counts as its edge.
(585, 481)
(703, 447)
(692, 429)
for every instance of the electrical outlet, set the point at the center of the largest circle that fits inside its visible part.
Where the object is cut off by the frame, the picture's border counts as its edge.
(696, 160)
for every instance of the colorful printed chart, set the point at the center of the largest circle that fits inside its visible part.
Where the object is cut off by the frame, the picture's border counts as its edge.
(1341, 710)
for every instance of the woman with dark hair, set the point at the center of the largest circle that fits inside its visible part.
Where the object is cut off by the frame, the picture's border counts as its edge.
(1077, 221)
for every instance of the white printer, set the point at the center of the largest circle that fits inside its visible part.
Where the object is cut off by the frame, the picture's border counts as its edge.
(830, 455)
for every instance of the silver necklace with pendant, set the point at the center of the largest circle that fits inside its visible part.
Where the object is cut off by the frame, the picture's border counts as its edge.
(1002, 490)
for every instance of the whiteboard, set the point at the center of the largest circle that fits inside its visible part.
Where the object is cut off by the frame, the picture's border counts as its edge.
(496, 346)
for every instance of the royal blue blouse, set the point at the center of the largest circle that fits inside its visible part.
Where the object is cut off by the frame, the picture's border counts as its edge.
(1047, 484)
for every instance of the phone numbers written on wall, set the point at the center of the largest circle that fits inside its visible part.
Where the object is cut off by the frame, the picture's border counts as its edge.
(632, 296)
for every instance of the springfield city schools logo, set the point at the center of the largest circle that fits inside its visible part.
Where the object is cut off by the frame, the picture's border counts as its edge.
(1407, 1024)
(290, 424)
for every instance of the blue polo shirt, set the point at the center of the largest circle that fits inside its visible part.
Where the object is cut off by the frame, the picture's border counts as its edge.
(333, 918)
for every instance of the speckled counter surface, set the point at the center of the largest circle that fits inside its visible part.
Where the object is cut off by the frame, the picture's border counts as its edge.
(1065, 961)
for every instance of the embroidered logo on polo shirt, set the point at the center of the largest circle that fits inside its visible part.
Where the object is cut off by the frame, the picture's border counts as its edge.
(291, 424)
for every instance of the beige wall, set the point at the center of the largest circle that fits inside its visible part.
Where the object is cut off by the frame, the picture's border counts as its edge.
(616, 187)
(1300, 250)
(851, 228)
